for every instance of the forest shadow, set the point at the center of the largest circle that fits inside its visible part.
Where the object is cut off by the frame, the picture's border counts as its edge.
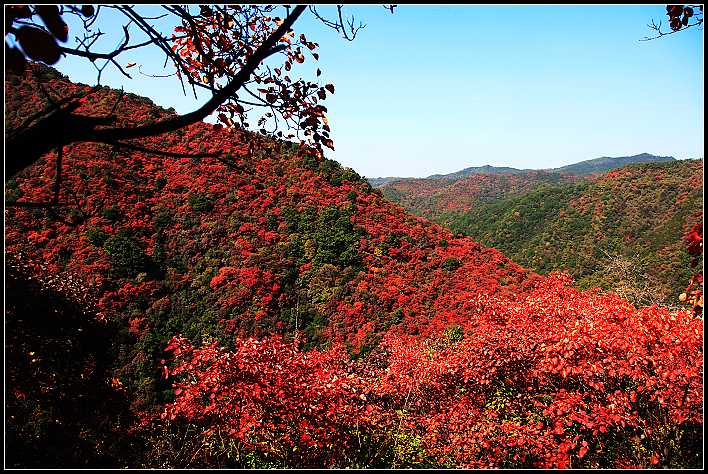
(63, 408)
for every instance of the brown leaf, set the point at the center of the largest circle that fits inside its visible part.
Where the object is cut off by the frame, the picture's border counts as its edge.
(87, 10)
(38, 44)
(674, 10)
(19, 11)
(52, 19)
(13, 12)
(330, 88)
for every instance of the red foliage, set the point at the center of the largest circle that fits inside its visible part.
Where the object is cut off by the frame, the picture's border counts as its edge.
(555, 379)
(303, 408)
(694, 244)
(466, 358)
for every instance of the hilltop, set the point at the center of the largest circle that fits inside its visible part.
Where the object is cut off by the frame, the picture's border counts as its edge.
(606, 163)
(432, 197)
(270, 309)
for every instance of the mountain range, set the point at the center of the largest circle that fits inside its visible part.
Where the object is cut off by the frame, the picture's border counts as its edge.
(596, 165)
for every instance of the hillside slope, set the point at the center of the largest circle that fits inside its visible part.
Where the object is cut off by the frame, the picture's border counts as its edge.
(431, 198)
(273, 217)
(606, 163)
(271, 310)
(622, 231)
(631, 244)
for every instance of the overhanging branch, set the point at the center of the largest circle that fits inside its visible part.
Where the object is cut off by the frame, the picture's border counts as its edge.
(63, 127)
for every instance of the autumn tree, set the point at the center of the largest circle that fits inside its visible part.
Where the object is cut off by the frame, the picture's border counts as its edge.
(630, 282)
(243, 55)
(693, 295)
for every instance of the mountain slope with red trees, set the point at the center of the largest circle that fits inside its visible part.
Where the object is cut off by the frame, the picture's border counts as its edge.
(275, 311)
(432, 197)
(621, 231)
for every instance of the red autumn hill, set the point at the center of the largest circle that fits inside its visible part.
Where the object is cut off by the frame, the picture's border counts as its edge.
(272, 310)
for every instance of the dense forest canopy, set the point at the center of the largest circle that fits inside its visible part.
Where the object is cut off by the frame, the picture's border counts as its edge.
(276, 311)
(621, 230)
(181, 295)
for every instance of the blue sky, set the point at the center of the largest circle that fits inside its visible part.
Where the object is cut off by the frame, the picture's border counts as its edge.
(434, 89)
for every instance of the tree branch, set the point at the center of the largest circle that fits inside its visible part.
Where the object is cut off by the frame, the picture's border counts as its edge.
(63, 127)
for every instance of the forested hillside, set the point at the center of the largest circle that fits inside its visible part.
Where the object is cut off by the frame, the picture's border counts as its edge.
(620, 231)
(269, 309)
(432, 197)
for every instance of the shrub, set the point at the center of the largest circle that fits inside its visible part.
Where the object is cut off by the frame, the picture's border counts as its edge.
(126, 253)
(451, 263)
(96, 236)
(200, 202)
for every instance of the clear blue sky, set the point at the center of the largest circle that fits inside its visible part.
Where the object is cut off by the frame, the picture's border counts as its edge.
(434, 89)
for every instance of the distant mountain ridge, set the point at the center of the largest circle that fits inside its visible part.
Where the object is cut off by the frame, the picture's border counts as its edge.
(486, 169)
(595, 165)
(605, 163)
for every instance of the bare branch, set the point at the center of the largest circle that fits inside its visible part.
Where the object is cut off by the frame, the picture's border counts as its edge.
(347, 30)
(677, 24)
